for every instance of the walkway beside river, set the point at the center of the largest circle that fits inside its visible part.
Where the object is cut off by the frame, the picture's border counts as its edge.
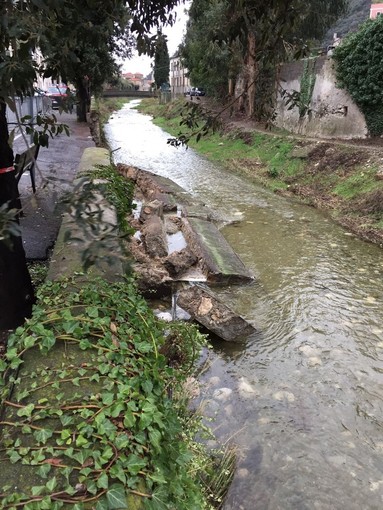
(55, 170)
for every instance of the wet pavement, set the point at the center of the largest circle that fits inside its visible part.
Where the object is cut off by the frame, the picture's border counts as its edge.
(55, 171)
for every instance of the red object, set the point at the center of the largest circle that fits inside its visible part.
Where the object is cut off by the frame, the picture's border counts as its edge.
(7, 169)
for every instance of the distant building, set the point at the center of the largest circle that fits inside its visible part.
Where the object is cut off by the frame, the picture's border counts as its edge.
(376, 10)
(179, 81)
(136, 79)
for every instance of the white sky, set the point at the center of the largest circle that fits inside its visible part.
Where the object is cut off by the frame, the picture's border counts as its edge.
(143, 64)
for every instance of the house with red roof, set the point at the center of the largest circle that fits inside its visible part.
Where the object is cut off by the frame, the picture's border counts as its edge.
(376, 10)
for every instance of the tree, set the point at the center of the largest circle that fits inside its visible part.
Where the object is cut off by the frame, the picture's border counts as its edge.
(205, 51)
(86, 55)
(275, 31)
(78, 40)
(262, 34)
(359, 70)
(161, 61)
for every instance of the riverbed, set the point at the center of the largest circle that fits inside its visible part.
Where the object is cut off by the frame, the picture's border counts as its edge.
(302, 398)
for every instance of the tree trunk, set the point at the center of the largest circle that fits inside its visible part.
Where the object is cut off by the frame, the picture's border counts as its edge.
(16, 291)
(251, 73)
(245, 85)
(83, 100)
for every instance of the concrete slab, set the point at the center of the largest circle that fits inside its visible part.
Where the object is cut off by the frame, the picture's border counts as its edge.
(67, 255)
(208, 310)
(217, 258)
(156, 187)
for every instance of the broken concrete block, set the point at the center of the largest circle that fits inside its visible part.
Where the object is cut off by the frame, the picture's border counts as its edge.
(218, 260)
(209, 311)
(172, 224)
(161, 188)
(154, 237)
(128, 171)
(152, 279)
(153, 208)
(180, 261)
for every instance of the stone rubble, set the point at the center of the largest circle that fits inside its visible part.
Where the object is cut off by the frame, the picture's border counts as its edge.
(203, 254)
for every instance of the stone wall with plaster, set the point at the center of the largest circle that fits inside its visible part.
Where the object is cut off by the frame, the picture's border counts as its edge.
(333, 112)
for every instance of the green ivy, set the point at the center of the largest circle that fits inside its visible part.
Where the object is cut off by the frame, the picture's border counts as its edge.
(359, 70)
(306, 86)
(107, 423)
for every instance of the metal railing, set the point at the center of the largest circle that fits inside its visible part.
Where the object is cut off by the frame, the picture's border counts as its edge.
(27, 106)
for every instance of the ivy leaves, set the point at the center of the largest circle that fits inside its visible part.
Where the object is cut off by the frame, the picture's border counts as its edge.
(87, 406)
(359, 71)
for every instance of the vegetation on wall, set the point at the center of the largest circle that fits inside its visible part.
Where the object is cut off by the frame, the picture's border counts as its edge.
(359, 70)
(307, 86)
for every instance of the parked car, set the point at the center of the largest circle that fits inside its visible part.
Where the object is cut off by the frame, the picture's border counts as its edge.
(58, 94)
(195, 91)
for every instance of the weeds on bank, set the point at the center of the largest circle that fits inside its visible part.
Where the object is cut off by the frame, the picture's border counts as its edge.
(107, 106)
(271, 152)
(342, 185)
(119, 191)
(359, 183)
(102, 420)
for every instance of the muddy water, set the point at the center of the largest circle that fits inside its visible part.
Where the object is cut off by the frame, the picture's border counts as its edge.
(302, 398)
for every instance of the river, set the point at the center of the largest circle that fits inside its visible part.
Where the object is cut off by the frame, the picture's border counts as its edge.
(302, 399)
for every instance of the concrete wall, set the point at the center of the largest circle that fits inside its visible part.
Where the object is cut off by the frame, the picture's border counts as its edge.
(333, 112)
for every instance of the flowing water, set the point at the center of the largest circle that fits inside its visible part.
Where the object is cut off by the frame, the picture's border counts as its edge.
(302, 398)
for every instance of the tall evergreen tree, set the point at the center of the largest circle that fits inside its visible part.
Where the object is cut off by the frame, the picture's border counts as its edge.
(161, 61)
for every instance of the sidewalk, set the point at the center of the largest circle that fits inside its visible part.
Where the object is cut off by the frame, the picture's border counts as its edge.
(55, 171)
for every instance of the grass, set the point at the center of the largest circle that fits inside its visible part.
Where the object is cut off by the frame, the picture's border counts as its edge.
(357, 184)
(272, 152)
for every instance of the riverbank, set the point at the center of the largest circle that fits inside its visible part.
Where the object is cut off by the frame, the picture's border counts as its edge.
(343, 179)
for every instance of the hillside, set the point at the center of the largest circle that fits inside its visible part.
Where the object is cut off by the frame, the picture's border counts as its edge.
(358, 11)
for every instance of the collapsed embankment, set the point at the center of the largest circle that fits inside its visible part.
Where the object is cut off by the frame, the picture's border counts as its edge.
(178, 251)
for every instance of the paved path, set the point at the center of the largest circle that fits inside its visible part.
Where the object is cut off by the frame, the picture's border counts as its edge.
(56, 169)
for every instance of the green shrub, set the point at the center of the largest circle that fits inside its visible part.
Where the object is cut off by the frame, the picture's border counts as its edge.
(359, 70)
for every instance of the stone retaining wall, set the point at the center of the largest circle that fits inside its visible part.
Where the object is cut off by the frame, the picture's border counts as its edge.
(333, 113)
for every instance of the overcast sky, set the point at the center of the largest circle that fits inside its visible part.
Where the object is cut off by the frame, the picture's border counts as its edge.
(175, 33)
